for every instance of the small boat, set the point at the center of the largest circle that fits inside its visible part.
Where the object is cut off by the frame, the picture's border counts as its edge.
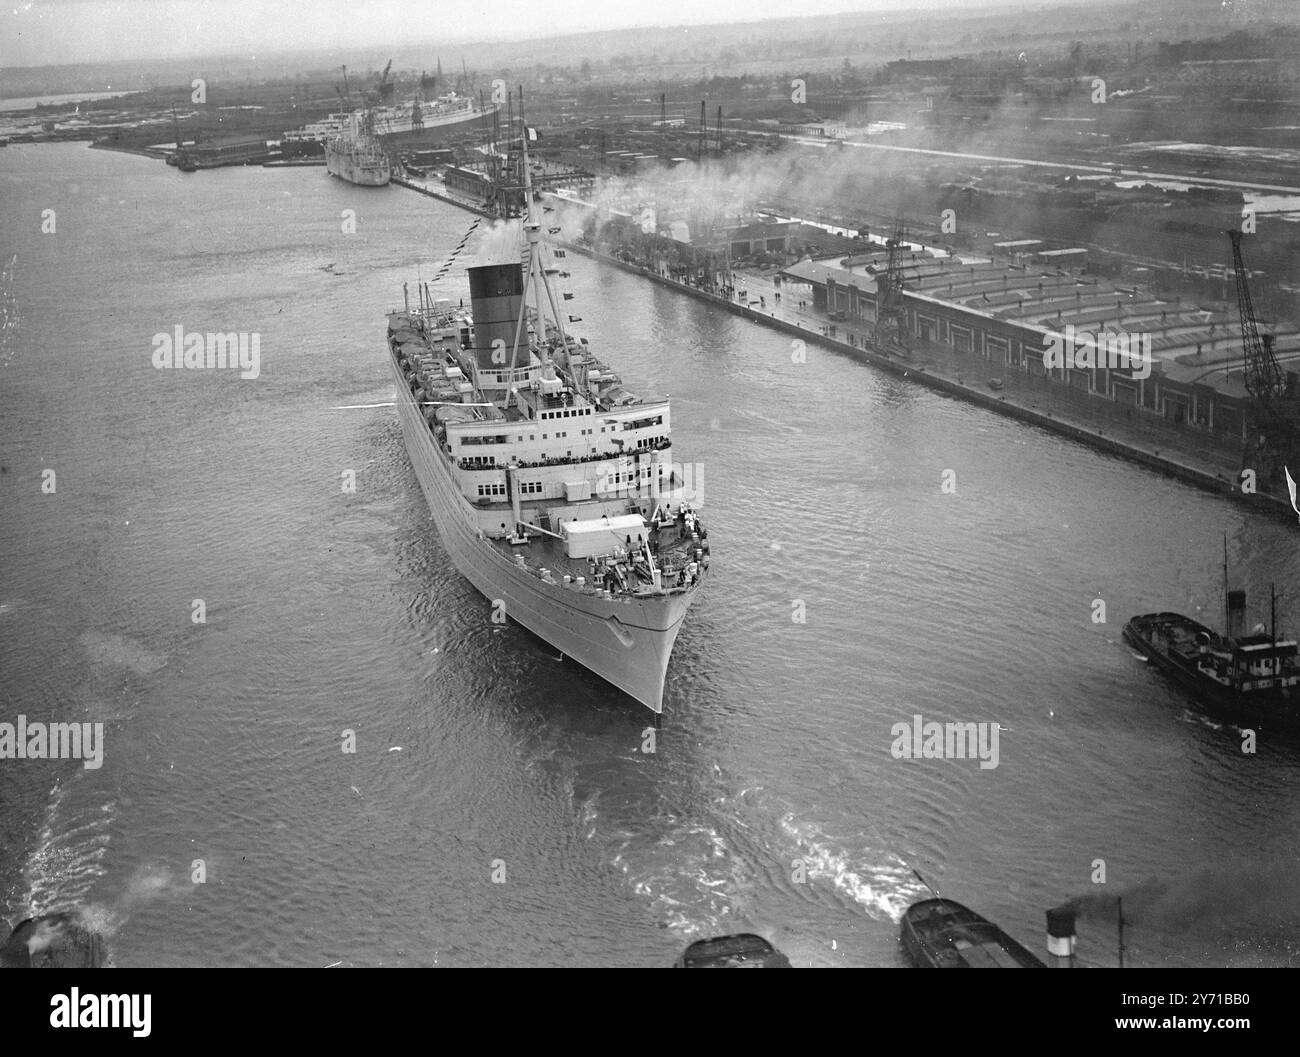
(742, 951)
(1252, 680)
(941, 934)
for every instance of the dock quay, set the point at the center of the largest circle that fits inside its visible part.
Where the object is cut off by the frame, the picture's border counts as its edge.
(1102, 425)
(424, 189)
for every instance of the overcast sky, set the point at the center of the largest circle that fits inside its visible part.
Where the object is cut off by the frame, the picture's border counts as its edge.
(43, 32)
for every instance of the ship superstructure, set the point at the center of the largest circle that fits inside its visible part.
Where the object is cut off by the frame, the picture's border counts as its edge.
(552, 485)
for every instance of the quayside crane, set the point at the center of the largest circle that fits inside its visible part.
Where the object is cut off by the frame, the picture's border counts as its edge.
(891, 318)
(1272, 412)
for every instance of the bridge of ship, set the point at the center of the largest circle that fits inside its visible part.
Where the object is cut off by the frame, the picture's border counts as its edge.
(1256, 659)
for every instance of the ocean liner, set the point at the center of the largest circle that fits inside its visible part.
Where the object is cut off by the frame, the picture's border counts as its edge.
(551, 484)
(355, 155)
(411, 125)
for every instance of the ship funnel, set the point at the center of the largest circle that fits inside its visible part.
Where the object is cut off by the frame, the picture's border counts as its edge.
(1236, 614)
(1060, 931)
(496, 294)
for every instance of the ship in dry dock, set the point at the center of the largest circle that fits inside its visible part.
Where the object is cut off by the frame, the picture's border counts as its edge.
(551, 484)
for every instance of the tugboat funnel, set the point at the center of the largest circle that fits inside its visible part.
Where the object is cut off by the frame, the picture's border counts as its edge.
(1236, 614)
(1060, 931)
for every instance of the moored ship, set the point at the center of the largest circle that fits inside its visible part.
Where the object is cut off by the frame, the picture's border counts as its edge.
(418, 125)
(550, 483)
(355, 155)
(409, 126)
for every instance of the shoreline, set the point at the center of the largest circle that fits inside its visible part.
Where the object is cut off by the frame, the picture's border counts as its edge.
(1185, 469)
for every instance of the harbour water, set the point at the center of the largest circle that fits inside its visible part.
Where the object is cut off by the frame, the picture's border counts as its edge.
(499, 807)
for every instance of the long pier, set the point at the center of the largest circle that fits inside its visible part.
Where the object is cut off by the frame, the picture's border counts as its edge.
(402, 181)
(1183, 469)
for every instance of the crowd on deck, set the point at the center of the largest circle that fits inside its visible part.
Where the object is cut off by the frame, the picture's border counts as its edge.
(630, 565)
(658, 444)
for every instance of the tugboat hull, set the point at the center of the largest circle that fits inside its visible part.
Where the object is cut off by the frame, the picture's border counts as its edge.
(941, 934)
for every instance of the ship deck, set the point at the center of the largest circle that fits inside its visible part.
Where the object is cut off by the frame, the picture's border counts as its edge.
(545, 556)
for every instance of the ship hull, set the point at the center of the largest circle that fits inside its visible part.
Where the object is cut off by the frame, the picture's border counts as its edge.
(345, 167)
(941, 934)
(626, 641)
(434, 133)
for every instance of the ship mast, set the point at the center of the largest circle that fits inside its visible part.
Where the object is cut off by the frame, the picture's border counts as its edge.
(1272, 625)
(1227, 612)
(533, 230)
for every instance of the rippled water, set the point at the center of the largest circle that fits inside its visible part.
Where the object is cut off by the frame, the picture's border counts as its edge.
(478, 751)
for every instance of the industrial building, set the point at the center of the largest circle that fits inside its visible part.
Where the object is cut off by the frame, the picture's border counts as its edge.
(468, 182)
(1009, 313)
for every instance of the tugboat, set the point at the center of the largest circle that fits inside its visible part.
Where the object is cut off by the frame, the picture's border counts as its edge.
(58, 940)
(742, 951)
(1248, 679)
(941, 934)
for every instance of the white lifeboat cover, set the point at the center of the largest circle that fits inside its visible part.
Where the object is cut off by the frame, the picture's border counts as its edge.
(584, 539)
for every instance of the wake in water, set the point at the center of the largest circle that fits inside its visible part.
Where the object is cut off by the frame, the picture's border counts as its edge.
(69, 853)
(878, 881)
(9, 316)
(709, 873)
(119, 651)
(67, 862)
(692, 879)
